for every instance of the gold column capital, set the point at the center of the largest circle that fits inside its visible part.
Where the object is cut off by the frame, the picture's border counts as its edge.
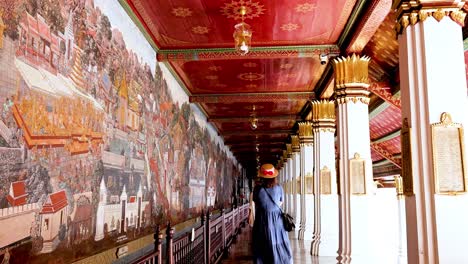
(306, 135)
(296, 147)
(410, 12)
(323, 115)
(285, 156)
(288, 150)
(352, 79)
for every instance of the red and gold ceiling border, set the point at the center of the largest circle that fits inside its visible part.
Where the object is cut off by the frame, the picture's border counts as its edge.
(255, 53)
(250, 97)
(236, 119)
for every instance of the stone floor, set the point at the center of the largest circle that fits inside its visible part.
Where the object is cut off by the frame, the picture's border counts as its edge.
(241, 251)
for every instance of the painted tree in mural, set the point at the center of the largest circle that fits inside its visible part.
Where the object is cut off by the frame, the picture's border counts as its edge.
(11, 11)
(38, 182)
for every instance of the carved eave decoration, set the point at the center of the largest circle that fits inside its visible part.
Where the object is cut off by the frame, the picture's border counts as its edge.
(412, 12)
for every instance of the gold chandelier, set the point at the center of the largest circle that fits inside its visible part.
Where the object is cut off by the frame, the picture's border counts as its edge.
(242, 34)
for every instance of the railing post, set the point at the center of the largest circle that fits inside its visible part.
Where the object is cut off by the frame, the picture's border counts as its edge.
(157, 244)
(223, 229)
(203, 224)
(207, 237)
(169, 239)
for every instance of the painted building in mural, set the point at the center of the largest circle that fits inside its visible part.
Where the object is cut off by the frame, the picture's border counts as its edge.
(94, 147)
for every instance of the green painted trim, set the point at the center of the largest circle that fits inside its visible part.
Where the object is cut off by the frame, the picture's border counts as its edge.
(379, 109)
(137, 22)
(392, 135)
(352, 21)
(384, 161)
(268, 48)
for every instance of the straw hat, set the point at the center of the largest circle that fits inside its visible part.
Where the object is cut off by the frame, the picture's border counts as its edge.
(267, 171)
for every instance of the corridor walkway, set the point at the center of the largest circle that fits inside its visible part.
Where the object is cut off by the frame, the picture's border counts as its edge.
(241, 252)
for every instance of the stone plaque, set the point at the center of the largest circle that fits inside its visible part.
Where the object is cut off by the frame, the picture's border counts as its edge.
(309, 183)
(448, 151)
(357, 167)
(406, 162)
(325, 181)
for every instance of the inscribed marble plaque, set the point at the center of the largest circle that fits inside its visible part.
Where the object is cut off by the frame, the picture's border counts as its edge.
(325, 181)
(309, 184)
(358, 175)
(447, 150)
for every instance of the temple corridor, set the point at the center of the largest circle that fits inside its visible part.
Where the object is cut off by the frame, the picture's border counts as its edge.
(241, 250)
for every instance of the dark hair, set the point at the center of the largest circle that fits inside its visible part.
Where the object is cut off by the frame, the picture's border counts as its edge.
(269, 182)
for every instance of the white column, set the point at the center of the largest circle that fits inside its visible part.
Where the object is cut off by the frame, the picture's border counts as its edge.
(295, 161)
(307, 164)
(433, 81)
(355, 181)
(401, 251)
(285, 178)
(290, 166)
(325, 239)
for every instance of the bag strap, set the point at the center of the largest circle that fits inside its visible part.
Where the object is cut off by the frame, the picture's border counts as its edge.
(272, 199)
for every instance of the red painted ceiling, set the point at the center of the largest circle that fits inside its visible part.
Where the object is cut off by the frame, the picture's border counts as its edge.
(209, 23)
(223, 79)
(389, 120)
(250, 75)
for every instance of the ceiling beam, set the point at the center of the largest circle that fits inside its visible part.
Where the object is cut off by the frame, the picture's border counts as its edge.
(236, 119)
(382, 151)
(256, 132)
(381, 90)
(251, 97)
(276, 52)
(387, 136)
(368, 23)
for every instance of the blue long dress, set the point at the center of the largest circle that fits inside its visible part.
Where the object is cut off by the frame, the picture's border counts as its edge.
(270, 240)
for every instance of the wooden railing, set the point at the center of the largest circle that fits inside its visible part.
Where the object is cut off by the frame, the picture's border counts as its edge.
(206, 243)
(155, 257)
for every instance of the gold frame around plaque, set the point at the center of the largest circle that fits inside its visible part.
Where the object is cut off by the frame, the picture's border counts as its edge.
(446, 123)
(406, 160)
(309, 180)
(357, 160)
(325, 172)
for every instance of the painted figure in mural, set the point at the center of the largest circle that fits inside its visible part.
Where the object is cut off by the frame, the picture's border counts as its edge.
(270, 239)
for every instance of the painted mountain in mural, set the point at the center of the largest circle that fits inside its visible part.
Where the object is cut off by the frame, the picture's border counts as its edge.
(93, 148)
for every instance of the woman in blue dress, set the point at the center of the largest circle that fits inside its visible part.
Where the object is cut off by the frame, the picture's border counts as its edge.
(270, 239)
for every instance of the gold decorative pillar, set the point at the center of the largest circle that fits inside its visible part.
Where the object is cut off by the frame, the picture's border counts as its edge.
(355, 163)
(323, 119)
(296, 148)
(433, 83)
(306, 138)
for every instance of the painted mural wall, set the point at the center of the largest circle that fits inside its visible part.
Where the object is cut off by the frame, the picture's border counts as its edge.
(97, 143)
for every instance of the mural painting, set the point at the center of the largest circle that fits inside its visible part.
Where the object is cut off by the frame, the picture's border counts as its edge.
(93, 149)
